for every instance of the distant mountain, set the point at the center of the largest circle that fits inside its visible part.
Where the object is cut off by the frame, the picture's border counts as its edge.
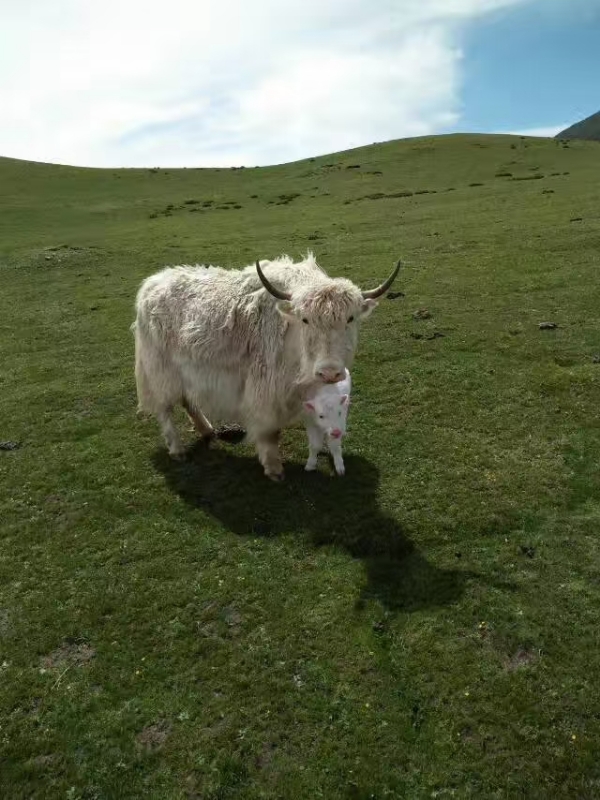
(588, 128)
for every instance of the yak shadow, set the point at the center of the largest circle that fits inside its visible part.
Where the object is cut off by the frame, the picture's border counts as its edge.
(329, 511)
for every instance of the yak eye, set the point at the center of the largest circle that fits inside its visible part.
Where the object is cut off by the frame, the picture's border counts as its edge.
(305, 321)
(321, 416)
(350, 319)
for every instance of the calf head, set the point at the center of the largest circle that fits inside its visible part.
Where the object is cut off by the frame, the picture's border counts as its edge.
(329, 413)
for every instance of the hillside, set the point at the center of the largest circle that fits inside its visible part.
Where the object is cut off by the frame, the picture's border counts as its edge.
(588, 128)
(425, 626)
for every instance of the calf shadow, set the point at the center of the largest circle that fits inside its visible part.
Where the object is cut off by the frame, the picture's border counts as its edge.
(329, 511)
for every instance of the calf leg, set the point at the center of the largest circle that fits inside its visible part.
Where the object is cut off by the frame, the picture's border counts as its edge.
(315, 445)
(267, 447)
(335, 448)
(169, 431)
(201, 425)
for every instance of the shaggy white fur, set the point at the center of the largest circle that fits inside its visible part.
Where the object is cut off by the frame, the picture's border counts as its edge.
(216, 341)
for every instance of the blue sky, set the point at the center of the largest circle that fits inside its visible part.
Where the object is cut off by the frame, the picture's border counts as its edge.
(252, 82)
(534, 66)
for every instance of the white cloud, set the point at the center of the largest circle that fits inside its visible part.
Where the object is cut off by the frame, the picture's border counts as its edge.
(548, 131)
(225, 82)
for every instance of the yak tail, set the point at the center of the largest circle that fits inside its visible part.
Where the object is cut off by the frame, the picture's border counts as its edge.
(145, 396)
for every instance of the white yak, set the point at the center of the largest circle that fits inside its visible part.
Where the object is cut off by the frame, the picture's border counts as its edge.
(244, 346)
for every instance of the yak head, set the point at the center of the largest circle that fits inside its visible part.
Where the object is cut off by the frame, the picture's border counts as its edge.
(325, 316)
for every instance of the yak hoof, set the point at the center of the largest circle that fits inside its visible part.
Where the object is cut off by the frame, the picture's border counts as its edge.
(276, 477)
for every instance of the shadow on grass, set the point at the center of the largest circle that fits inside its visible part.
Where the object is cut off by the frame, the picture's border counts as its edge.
(338, 512)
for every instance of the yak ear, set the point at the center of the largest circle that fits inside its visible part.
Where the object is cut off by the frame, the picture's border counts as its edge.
(343, 399)
(368, 307)
(286, 309)
(309, 406)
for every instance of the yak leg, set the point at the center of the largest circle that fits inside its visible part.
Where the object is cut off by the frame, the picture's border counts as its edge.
(267, 447)
(201, 425)
(158, 388)
(169, 431)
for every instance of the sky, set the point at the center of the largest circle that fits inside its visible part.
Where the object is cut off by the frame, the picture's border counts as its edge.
(219, 83)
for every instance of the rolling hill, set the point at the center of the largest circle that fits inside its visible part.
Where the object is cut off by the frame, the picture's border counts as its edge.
(425, 626)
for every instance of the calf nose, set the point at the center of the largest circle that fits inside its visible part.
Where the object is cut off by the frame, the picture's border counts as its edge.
(330, 374)
(336, 433)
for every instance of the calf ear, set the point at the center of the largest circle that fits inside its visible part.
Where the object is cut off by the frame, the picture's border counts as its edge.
(344, 400)
(367, 307)
(309, 406)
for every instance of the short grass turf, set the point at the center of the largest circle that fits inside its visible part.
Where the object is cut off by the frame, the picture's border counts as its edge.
(427, 626)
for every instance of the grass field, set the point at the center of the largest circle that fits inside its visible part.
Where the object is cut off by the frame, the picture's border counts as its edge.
(427, 626)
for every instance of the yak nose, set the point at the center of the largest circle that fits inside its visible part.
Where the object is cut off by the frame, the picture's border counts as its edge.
(330, 374)
(336, 433)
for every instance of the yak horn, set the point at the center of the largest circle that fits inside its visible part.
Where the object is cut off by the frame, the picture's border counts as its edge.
(371, 294)
(269, 286)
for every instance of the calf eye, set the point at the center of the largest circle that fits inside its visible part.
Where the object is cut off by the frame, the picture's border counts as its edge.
(350, 319)
(321, 416)
(305, 321)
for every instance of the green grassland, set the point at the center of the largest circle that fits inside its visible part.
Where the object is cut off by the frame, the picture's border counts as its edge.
(426, 626)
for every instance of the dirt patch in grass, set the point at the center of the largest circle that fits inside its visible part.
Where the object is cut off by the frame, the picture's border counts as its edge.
(5, 623)
(153, 737)
(43, 761)
(265, 757)
(69, 654)
(383, 195)
(535, 177)
(524, 657)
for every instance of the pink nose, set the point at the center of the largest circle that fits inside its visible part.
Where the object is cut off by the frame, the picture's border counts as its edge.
(330, 375)
(336, 433)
